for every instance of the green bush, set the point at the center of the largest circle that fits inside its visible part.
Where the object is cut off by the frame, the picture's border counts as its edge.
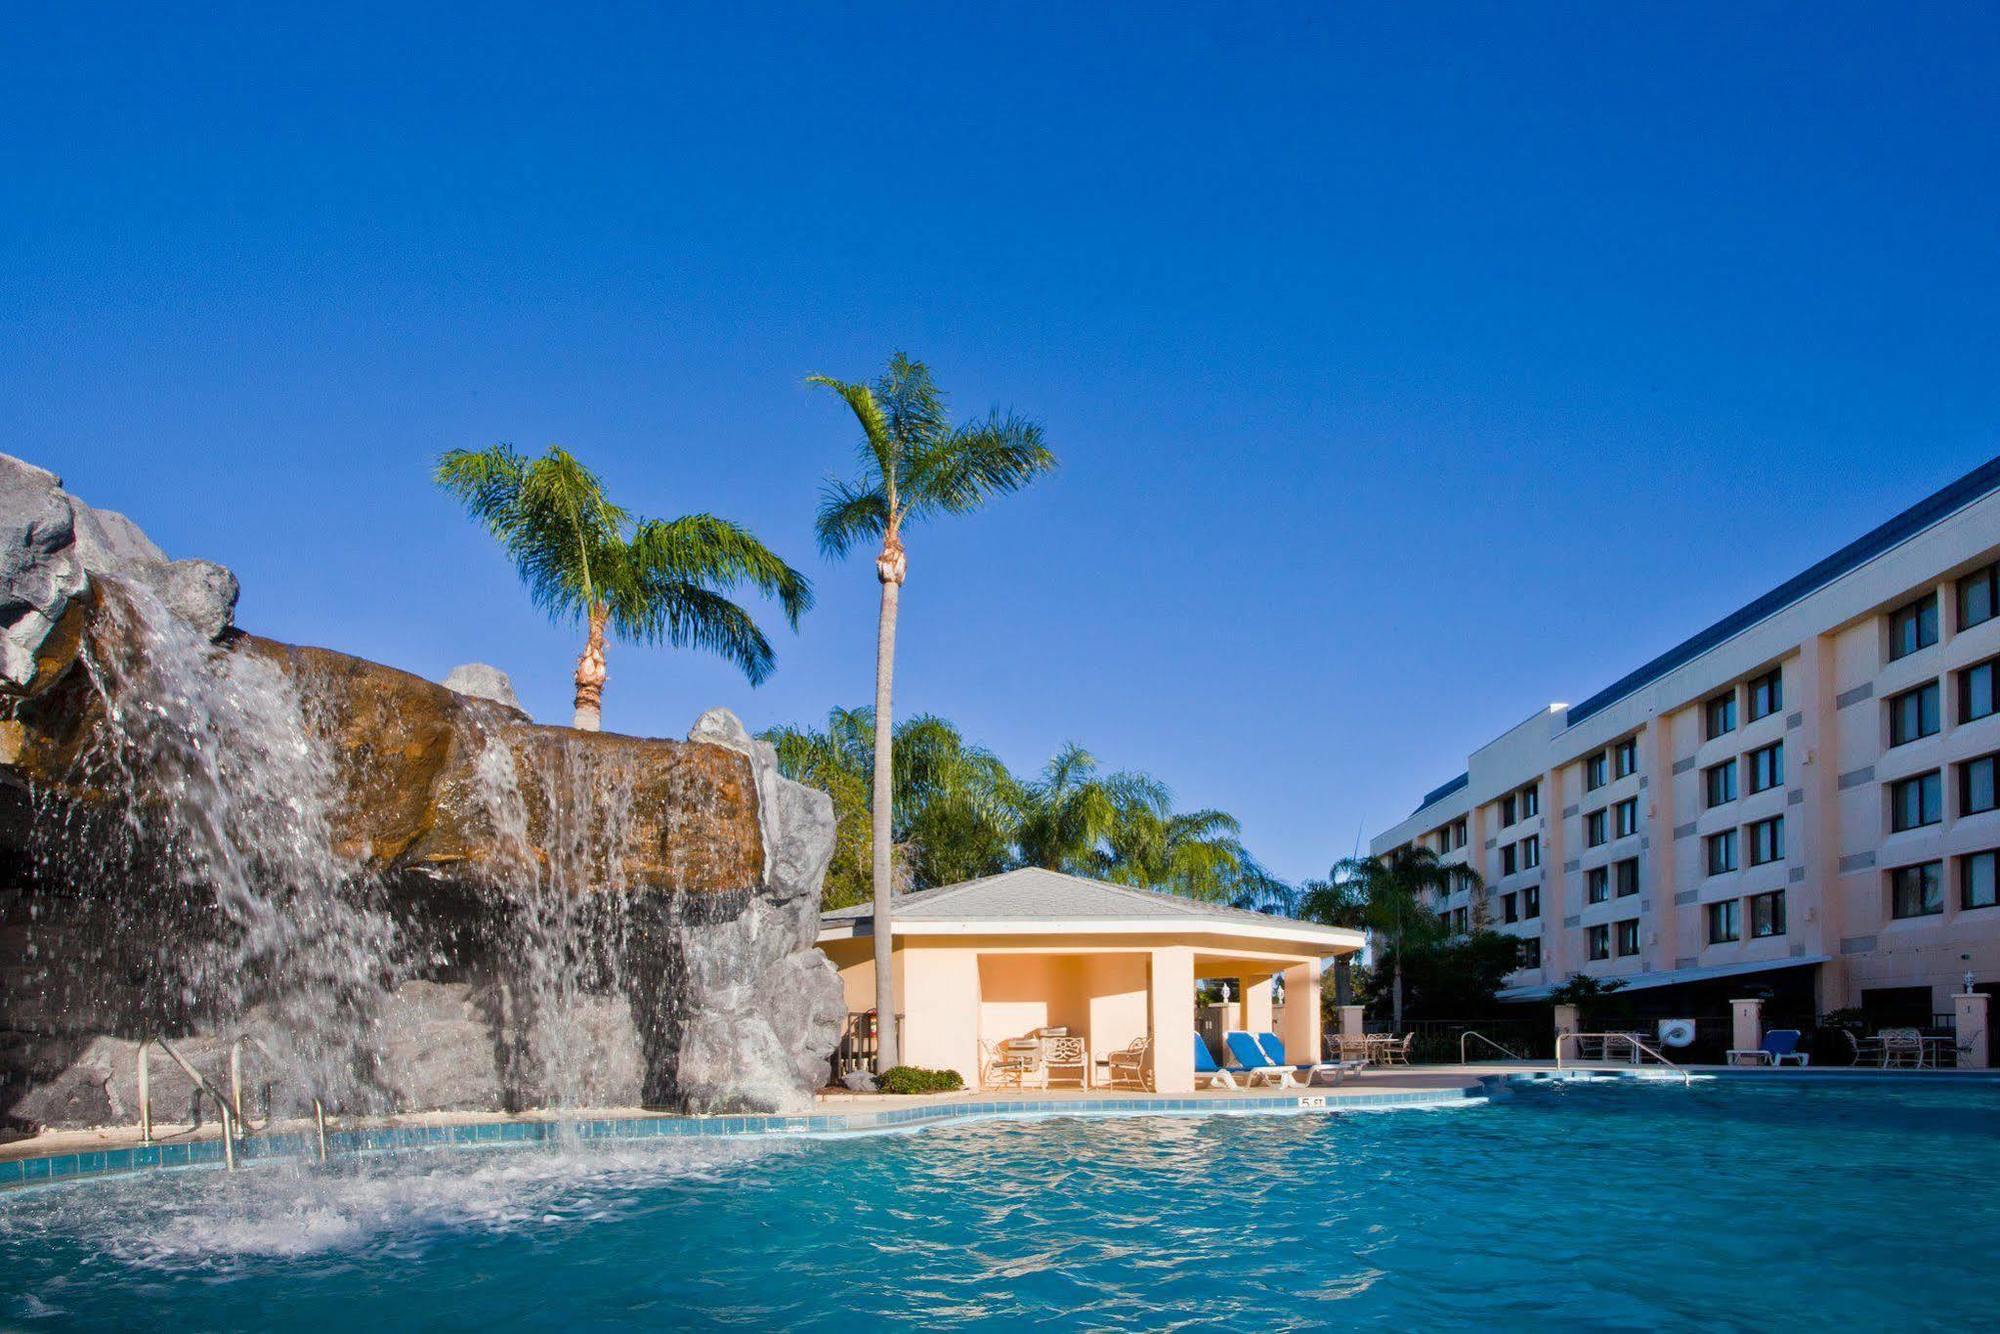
(916, 1079)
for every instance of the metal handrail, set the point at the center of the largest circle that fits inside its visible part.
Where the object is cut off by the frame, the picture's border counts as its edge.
(234, 1126)
(1468, 1033)
(1687, 1080)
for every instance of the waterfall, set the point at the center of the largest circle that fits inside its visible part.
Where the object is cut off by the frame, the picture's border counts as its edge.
(207, 847)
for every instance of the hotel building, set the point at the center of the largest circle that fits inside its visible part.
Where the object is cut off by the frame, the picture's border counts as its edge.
(1805, 791)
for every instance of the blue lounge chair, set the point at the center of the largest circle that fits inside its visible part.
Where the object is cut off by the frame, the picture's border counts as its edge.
(1779, 1047)
(1253, 1062)
(1206, 1068)
(1334, 1070)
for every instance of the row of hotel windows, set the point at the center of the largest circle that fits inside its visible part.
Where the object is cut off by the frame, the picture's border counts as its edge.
(1918, 891)
(1624, 821)
(1914, 625)
(1597, 881)
(1765, 837)
(1918, 800)
(1451, 837)
(1621, 761)
(1598, 939)
(1914, 713)
(1764, 696)
(1766, 766)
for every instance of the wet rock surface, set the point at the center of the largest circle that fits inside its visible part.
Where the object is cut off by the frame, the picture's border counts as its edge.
(578, 918)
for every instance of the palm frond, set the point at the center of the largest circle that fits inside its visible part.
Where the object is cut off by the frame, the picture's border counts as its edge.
(848, 513)
(686, 614)
(964, 469)
(878, 444)
(704, 548)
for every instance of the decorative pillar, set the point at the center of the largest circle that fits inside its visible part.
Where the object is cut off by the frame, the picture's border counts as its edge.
(1257, 1005)
(1171, 1002)
(1568, 1020)
(1353, 1021)
(1972, 1041)
(1746, 1025)
(1301, 1033)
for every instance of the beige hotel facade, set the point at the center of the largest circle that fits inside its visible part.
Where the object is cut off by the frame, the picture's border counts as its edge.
(1800, 800)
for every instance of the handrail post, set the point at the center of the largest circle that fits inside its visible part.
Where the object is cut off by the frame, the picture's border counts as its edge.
(228, 1137)
(236, 1078)
(319, 1119)
(145, 1095)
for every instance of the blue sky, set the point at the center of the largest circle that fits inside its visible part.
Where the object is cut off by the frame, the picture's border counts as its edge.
(1409, 368)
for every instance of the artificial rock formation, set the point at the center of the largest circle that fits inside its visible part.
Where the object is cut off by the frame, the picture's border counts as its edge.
(575, 918)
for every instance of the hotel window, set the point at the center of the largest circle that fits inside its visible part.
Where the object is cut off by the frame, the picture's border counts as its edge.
(1597, 884)
(1625, 818)
(1916, 891)
(1625, 757)
(1628, 937)
(1977, 697)
(1462, 920)
(1510, 908)
(1720, 713)
(1531, 801)
(1978, 886)
(1978, 596)
(1767, 840)
(1597, 939)
(1627, 875)
(1767, 914)
(1531, 852)
(1530, 952)
(1725, 921)
(1510, 860)
(1531, 902)
(1722, 852)
(1593, 828)
(1913, 626)
(1767, 766)
(1767, 694)
(1975, 785)
(1913, 714)
(1719, 783)
(1916, 802)
(1506, 810)
(1594, 772)
(1458, 834)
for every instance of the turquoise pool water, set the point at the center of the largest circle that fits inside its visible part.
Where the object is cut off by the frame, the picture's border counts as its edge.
(1734, 1204)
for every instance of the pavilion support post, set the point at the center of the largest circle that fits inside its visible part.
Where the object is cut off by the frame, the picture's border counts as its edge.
(1301, 1033)
(1257, 1005)
(1172, 1001)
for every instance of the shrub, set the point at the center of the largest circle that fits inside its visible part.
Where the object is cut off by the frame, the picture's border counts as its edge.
(916, 1079)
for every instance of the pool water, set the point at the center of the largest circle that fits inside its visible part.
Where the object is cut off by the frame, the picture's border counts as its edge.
(1732, 1204)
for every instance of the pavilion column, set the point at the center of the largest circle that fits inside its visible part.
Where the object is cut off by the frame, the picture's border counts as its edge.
(1257, 1005)
(1172, 1002)
(1971, 1008)
(1302, 1022)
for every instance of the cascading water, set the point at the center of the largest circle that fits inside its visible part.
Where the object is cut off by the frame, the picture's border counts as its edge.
(207, 853)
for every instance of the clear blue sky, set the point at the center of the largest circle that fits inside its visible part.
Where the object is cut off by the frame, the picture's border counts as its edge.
(1409, 367)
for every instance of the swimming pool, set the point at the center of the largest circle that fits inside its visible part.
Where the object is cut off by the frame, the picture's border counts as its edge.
(1737, 1203)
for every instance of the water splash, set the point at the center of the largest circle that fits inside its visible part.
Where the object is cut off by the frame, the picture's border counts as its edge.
(209, 845)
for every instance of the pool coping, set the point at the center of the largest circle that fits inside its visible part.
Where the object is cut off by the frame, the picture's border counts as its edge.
(109, 1162)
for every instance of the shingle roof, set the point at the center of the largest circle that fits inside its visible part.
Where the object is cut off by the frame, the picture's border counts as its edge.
(1034, 894)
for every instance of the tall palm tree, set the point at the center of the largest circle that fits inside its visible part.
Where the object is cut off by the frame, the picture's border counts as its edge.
(646, 580)
(914, 464)
(1388, 896)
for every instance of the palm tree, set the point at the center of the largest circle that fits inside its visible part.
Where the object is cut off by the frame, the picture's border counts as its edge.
(647, 580)
(1388, 896)
(915, 464)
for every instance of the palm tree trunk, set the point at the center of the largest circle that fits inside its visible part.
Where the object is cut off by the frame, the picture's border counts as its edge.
(590, 674)
(1396, 991)
(889, 569)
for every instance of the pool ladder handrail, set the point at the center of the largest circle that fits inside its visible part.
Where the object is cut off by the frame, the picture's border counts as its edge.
(234, 1125)
(1687, 1080)
(1469, 1033)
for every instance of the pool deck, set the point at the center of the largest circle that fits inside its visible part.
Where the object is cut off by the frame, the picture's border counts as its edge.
(64, 1154)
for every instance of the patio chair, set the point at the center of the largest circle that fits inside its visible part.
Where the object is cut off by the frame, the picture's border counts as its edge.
(1254, 1063)
(1396, 1051)
(1129, 1065)
(1902, 1046)
(1335, 1071)
(1065, 1058)
(1206, 1068)
(1780, 1045)
(1000, 1067)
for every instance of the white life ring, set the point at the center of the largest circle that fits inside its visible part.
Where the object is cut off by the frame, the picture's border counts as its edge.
(1676, 1032)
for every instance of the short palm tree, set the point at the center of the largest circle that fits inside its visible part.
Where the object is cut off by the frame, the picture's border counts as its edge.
(646, 580)
(1389, 896)
(915, 464)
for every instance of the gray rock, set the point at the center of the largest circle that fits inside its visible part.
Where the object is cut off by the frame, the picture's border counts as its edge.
(480, 681)
(110, 543)
(861, 1081)
(40, 571)
(200, 592)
